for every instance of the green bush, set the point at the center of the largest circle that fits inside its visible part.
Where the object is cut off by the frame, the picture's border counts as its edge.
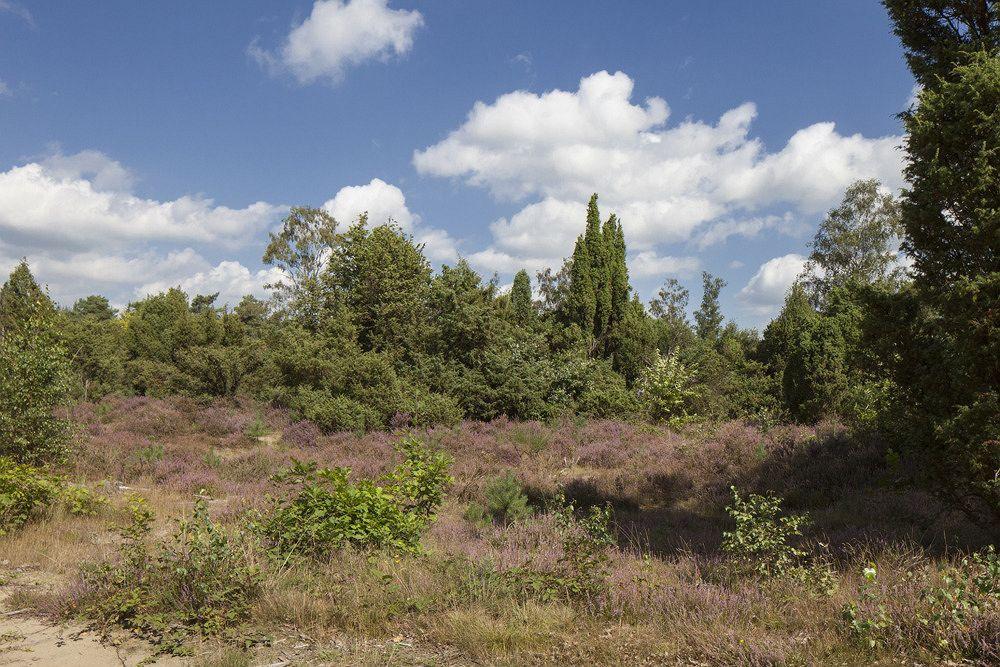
(324, 510)
(195, 582)
(762, 539)
(428, 408)
(81, 501)
(665, 389)
(337, 413)
(25, 491)
(505, 499)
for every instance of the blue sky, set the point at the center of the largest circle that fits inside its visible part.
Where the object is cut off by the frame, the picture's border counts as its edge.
(144, 145)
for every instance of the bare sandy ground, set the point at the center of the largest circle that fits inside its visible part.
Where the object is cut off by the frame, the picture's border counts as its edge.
(26, 640)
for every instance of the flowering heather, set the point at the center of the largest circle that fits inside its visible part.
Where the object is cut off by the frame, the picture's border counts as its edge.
(664, 588)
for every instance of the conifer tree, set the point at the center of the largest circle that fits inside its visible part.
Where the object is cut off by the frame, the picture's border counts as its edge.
(520, 298)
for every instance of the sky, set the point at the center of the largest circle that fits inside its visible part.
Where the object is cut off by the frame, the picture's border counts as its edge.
(145, 145)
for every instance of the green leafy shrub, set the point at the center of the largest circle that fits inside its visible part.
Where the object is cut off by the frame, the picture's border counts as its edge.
(338, 413)
(34, 373)
(324, 510)
(666, 390)
(762, 539)
(25, 491)
(427, 408)
(81, 501)
(197, 581)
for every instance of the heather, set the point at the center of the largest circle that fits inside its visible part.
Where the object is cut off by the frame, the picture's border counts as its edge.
(596, 540)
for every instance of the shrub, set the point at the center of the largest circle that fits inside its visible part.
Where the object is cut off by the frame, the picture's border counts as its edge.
(582, 571)
(325, 510)
(194, 582)
(665, 388)
(762, 539)
(426, 408)
(34, 373)
(339, 413)
(505, 499)
(25, 491)
(81, 501)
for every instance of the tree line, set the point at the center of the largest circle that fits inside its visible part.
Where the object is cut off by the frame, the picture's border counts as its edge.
(892, 327)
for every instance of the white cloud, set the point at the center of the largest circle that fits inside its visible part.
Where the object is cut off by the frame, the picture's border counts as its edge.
(649, 264)
(765, 292)
(382, 201)
(230, 279)
(79, 201)
(5, 90)
(914, 98)
(339, 34)
(664, 182)
(17, 10)
(718, 232)
(83, 230)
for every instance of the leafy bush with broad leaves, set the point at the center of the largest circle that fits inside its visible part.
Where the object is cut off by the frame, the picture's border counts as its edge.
(197, 581)
(763, 539)
(324, 510)
(666, 389)
(25, 492)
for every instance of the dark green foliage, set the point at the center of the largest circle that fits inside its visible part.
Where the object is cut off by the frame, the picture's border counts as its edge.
(948, 327)
(323, 510)
(937, 34)
(520, 298)
(383, 279)
(94, 306)
(34, 373)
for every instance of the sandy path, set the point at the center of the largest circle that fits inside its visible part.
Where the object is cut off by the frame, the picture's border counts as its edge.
(26, 640)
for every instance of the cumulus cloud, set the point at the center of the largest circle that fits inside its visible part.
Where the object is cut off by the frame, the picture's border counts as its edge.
(666, 182)
(648, 263)
(384, 202)
(765, 292)
(82, 201)
(83, 230)
(230, 279)
(337, 35)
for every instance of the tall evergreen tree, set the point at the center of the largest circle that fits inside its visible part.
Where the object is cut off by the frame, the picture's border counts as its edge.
(581, 305)
(948, 327)
(520, 298)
